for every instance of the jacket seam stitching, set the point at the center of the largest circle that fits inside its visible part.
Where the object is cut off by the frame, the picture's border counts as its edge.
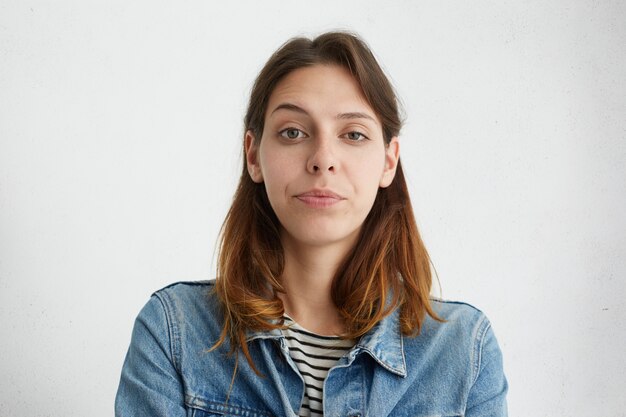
(482, 331)
(172, 331)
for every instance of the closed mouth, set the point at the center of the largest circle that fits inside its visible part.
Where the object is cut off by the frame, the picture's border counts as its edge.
(320, 198)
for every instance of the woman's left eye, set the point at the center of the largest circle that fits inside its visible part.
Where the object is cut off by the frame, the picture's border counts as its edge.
(291, 133)
(355, 136)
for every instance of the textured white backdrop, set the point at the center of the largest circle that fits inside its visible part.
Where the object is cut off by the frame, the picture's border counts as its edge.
(120, 127)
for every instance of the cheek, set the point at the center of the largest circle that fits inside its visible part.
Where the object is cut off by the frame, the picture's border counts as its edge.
(277, 169)
(368, 172)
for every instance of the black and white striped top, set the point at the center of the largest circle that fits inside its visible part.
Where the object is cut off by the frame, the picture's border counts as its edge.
(314, 355)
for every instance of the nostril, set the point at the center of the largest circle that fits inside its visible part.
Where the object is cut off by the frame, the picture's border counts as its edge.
(317, 167)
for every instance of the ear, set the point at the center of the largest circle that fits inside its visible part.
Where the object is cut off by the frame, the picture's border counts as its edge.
(392, 156)
(252, 157)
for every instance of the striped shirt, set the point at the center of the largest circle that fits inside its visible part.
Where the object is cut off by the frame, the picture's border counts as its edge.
(314, 355)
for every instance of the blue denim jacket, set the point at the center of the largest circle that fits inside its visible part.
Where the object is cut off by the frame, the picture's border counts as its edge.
(449, 369)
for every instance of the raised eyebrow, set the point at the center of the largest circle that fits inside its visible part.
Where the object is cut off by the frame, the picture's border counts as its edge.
(355, 115)
(298, 109)
(289, 106)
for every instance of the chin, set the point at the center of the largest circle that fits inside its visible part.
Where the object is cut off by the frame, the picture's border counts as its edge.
(326, 236)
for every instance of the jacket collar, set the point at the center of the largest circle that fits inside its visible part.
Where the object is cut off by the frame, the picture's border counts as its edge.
(263, 334)
(384, 343)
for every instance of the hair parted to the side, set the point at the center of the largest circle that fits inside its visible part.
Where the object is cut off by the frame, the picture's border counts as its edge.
(388, 268)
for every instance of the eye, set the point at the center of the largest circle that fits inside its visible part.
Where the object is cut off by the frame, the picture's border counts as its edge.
(292, 133)
(355, 136)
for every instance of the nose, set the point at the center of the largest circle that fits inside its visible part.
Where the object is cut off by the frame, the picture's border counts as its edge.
(322, 157)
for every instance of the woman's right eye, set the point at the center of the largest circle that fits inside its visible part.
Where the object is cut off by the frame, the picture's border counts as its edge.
(292, 133)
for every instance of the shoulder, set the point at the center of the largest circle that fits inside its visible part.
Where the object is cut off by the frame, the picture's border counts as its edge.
(463, 323)
(184, 300)
(457, 316)
(185, 310)
(459, 356)
(458, 337)
(467, 344)
(186, 294)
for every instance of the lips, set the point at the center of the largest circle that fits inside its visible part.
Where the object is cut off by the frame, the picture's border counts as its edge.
(320, 198)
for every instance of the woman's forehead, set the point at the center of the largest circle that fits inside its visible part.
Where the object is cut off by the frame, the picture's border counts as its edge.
(320, 88)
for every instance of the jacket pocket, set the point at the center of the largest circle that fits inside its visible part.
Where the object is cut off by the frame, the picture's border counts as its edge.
(201, 408)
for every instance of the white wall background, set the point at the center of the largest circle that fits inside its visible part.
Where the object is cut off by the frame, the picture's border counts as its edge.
(120, 126)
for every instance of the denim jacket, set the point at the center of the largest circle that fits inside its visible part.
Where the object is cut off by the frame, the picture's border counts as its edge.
(449, 369)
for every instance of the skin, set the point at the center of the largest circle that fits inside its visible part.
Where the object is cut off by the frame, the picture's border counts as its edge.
(322, 159)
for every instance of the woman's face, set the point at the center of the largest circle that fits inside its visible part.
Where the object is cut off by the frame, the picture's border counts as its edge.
(322, 156)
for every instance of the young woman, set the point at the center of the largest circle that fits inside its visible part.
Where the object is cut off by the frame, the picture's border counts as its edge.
(321, 304)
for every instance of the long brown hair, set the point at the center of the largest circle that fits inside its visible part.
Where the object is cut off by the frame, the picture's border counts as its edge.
(388, 268)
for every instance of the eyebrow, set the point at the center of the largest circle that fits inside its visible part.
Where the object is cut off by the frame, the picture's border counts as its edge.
(298, 109)
(355, 115)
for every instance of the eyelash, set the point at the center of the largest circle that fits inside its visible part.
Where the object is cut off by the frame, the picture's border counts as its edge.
(284, 133)
(361, 138)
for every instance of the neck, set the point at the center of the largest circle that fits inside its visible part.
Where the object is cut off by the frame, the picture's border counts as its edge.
(307, 279)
